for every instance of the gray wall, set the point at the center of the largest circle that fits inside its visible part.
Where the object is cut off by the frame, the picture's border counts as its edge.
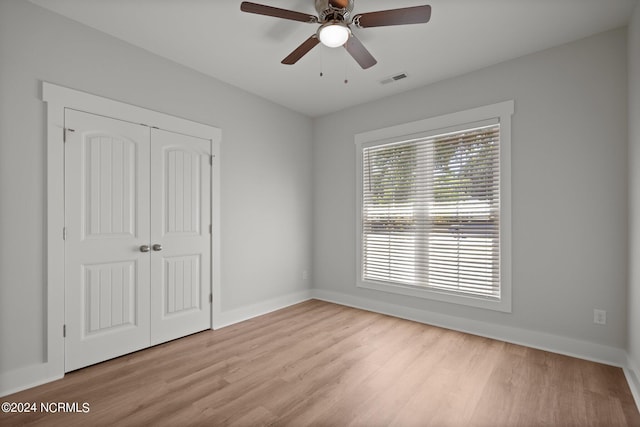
(634, 188)
(266, 162)
(569, 178)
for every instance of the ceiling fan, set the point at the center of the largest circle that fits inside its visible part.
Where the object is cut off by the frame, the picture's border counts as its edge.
(334, 17)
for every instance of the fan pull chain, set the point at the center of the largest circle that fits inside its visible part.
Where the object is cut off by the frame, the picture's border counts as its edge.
(321, 63)
(346, 69)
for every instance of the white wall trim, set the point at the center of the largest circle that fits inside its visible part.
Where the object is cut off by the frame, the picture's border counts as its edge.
(631, 372)
(32, 376)
(24, 378)
(27, 377)
(539, 340)
(227, 318)
(58, 98)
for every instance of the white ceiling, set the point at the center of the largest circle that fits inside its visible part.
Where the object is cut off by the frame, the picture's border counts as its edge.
(245, 50)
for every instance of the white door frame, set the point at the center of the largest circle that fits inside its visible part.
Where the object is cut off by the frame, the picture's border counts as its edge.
(57, 99)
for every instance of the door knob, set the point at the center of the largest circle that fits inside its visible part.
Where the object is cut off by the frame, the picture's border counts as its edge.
(157, 247)
(144, 248)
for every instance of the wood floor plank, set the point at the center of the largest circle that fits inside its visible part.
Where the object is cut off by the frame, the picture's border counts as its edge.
(322, 364)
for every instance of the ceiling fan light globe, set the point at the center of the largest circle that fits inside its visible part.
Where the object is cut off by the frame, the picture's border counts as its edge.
(334, 35)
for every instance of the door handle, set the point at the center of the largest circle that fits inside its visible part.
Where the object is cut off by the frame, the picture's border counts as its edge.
(157, 247)
(144, 248)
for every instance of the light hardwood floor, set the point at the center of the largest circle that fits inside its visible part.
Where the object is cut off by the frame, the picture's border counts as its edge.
(323, 364)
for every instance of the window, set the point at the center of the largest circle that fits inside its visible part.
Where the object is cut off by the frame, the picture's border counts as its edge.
(434, 208)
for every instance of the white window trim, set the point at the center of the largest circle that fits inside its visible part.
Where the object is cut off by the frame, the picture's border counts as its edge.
(434, 125)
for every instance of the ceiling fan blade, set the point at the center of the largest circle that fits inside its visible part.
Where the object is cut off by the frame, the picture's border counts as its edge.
(276, 12)
(301, 50)
(407, 15)
(360, 53)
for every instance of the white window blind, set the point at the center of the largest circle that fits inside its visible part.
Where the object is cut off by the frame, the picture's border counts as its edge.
(431, 212)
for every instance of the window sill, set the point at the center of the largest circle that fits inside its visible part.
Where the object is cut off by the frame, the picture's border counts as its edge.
(503, 305)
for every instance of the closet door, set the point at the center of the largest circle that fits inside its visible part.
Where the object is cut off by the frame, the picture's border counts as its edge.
(180, 235)
(107, 233)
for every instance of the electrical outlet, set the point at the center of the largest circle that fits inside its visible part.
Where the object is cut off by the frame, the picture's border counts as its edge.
(599, 317)
(305, 274)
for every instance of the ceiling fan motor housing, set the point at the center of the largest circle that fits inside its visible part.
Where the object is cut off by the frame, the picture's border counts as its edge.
(334, 10)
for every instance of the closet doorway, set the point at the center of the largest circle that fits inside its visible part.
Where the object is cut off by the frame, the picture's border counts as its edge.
(138, 259)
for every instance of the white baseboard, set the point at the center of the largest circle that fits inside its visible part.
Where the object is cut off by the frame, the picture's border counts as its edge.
(631, 372)
(24, 378)
(230, 317)
(32, 376)
(540, 340)
(27, 377)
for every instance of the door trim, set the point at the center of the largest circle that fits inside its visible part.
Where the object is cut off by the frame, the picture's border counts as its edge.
(57, 98)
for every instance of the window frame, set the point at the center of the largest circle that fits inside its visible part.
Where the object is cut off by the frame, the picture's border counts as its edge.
(501, 112)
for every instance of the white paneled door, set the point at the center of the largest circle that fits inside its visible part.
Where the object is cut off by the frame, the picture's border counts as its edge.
(137, 244)
(180, 235)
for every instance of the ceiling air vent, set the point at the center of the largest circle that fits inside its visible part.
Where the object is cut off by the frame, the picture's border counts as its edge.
(394, 78)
